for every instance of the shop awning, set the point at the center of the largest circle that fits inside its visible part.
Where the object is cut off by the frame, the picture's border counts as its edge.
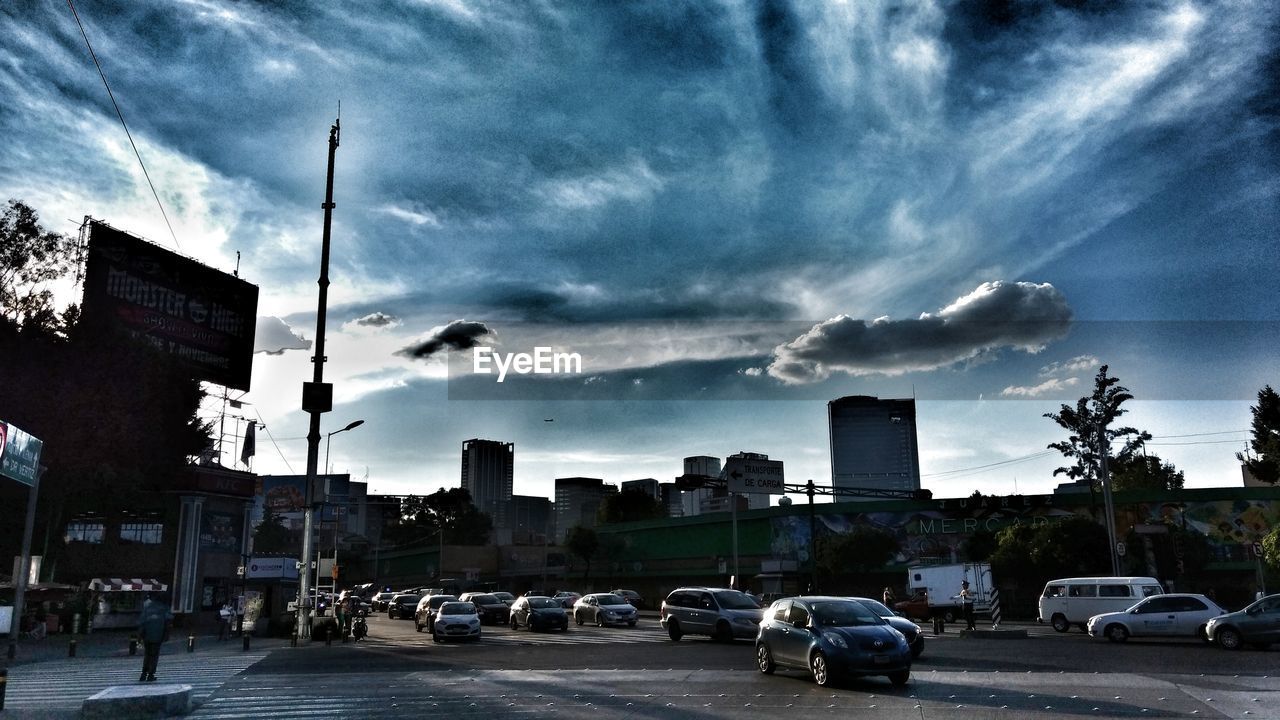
(127, 585)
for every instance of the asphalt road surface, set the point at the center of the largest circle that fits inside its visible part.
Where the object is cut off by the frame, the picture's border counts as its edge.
(590, 672)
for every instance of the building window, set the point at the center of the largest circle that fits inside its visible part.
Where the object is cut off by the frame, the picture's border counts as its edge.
(86, 531)
(146, 533)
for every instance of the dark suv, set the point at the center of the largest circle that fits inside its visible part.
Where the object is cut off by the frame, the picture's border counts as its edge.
(722, 613)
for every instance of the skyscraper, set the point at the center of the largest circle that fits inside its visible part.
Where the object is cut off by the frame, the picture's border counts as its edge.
(577, 502)
(873, 443)
(488, 473)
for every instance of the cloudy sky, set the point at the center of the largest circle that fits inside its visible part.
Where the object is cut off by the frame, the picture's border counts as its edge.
(732, 211)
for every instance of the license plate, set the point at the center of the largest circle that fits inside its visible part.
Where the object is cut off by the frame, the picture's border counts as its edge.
(882, 659)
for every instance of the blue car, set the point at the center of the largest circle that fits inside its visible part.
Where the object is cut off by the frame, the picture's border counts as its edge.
(833, 638)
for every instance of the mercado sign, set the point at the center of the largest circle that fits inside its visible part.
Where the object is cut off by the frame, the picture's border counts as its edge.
(19, 454)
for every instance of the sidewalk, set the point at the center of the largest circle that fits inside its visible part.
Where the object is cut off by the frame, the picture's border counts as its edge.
(44, 683)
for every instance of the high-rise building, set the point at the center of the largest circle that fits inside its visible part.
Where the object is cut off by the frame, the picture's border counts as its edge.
(648, 486)
(873, 443)
(488, 473)
(693, 500)
(530, 518)
(577, 502)
(671, 499)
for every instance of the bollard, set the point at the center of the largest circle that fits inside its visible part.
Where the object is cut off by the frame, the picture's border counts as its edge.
(71, 648)
(246, 643)
(191, 643)
(328, 637)
(133, 646)
(293, 641)
(995, 608)
(4, 679)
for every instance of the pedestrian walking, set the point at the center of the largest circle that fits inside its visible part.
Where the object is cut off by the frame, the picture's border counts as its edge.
(224, 622)
(152, 628)
(966, 604)
(889, 598)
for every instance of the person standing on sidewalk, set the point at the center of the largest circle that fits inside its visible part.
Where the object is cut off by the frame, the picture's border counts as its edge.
(152, 625)
(966, 603)
(224, 622)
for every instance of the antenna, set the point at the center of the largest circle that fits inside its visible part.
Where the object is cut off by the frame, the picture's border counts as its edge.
(237, 272)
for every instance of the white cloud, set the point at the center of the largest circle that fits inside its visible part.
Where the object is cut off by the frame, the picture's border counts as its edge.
(632, 182)
(1079, 363)
(1048, 387)
(273, 336)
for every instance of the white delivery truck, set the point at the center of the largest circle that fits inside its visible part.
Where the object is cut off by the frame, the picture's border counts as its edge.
(942, 584)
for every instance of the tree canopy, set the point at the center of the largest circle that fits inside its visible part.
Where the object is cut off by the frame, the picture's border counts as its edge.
(450, 510)
(629, 506)
(271, 536)
(1029, 556)
(583, 543)
(1145, 472)
(863, 550)
(1264, 460)
(1089, 423)
(31, 259)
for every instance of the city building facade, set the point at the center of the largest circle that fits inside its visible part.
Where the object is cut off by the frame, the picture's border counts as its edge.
(488, 473)
(873, 443)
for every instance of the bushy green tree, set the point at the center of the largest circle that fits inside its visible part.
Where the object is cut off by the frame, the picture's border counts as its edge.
(629, 506)
(31, 259)
(583, 543)
(863, 550)
(1089, 422)
(271, 536)
(423, 518)
(1029, 556)
(1144, 472)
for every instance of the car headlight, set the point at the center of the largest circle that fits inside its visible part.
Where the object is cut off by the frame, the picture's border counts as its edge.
(836, 639)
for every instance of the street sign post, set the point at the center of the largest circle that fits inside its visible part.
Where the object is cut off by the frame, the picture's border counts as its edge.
(744, 475)
(20, 460)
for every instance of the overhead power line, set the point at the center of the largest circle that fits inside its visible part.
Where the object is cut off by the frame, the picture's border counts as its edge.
(123, 124)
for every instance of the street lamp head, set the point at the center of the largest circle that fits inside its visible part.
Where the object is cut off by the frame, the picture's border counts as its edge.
(354, 424)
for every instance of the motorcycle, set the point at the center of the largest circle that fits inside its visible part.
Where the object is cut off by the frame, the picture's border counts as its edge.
(359, 628)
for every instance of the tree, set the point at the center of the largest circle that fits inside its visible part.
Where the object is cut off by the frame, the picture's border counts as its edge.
(1089, 422)
(30, 259)
(629, 506)
(1271, 548)
(1264, 462)
(582, 542)
(980, 545)
(271, 536)
(863, 550)
(444, 511)
(1028, 556)
(1145, 472)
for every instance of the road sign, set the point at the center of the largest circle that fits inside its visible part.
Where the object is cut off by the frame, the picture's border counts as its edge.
(19, 454)
(745, 475)
(1120, 549)
(1257, 549)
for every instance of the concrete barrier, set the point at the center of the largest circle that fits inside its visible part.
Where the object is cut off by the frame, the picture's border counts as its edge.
(138, 701)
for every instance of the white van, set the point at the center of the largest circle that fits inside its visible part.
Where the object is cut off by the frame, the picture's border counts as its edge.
(1072, 601)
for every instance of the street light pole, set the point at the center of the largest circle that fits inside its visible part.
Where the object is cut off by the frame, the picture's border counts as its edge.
(329, 437)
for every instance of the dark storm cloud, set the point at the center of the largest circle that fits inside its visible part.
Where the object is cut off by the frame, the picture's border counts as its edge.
(1022, 316)
(457, 335)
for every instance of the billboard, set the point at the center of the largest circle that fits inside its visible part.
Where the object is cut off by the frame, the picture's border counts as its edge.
(202, 316)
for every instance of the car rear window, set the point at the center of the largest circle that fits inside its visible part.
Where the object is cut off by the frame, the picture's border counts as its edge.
(484, 599)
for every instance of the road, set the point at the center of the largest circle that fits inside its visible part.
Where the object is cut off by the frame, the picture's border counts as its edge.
(624, 672)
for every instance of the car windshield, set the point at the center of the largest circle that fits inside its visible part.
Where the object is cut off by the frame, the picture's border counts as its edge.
(543, 603)
(457, 608)
(877, 607)
(843, 613)
(484, 599)
(610, 600)
(734, 600)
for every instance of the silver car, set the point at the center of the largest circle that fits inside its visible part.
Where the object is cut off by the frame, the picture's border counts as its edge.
(604, 609)
(722, 613)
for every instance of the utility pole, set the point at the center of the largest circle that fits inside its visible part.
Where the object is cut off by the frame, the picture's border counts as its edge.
(1108, 505)
(317, 399)
(810, 490)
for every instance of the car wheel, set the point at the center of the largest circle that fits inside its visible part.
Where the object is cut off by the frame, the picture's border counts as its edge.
(764, 659)
(1060, 623)
(821, 671)
(599, 620)
(724, 633)
(949, 616)
(1230, 639)
(673, 630)
(1117, 633)
(577, 617)
(515, 625)
(900, 677)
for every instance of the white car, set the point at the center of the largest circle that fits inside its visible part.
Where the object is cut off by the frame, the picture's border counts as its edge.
(1169, 615)
(604, 609)
(456, 620)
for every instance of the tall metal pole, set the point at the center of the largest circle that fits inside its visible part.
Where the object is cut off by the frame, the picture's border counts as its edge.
(733, 501)
(813, 541)
(313, 435)
(1109, 508)
(24, 566)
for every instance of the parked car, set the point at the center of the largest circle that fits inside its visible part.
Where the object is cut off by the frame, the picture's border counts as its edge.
(567, 598)
(1257, 625)
(604, 609)
(909, 630)
(505, 597)
(631, 596)
(456, 619)
(832, 638)
(401, 605)
(538, 613)
(424, 616)
(1171, 615)
(1072, 601)
(381, 600)
(490, 608)
(722, 613)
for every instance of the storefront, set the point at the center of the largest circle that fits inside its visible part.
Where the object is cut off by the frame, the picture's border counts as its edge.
(117, 602)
